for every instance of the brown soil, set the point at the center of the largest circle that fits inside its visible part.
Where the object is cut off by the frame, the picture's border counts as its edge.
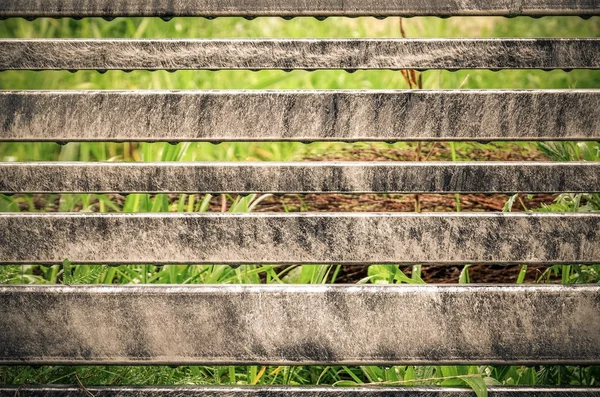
(408, 202)
(478, 274)
(427, 203)
(396, 202)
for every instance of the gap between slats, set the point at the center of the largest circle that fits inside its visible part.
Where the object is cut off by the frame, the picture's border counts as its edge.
(307, 391)
(290, 8)
(303, 54)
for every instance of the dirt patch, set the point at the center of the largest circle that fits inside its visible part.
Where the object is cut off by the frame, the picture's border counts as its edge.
(483, 274)
(396, 203)
(488, 274)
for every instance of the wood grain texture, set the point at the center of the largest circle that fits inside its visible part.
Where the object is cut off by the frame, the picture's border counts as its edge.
(299, 324)
(313, 238)
(306, 54)
(302, 177)
(305, 391)
(214, 8)
(347, 115)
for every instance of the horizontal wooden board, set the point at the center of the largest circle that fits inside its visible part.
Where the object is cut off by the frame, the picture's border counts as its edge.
(302, 177)
(305, 391)
(348, 238)
(215, 8)
(299, 115)
(299, 324)
(292, 54)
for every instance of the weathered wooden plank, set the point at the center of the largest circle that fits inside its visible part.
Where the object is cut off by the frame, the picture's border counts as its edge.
(305, 391)
(290, 54)
(302, 177)
(301, 324)
(214, 8)
(349, 238)
(299, 115)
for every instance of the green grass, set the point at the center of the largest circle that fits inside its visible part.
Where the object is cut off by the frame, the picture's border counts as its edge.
(472, 376)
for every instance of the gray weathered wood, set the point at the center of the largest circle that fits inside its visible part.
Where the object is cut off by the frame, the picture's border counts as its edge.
(311, 54)
(289, 325)
(214, 8)
(299, 115)
(303, 177)
(306, 391)
(349, 238)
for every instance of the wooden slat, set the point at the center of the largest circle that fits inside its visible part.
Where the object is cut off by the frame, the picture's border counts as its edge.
(305, 391)
(303, 177)
(311, 54)
(290, 325)
(299, 115)
(349, 238)
(382, 8)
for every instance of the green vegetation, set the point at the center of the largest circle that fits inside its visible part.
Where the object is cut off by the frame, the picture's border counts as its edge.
(475, 377)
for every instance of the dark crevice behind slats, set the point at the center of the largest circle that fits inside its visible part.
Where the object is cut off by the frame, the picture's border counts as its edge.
(293, 324)
(304, 54)
(304, 177)
(290, 8)
(349, 115)
(313, 238)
